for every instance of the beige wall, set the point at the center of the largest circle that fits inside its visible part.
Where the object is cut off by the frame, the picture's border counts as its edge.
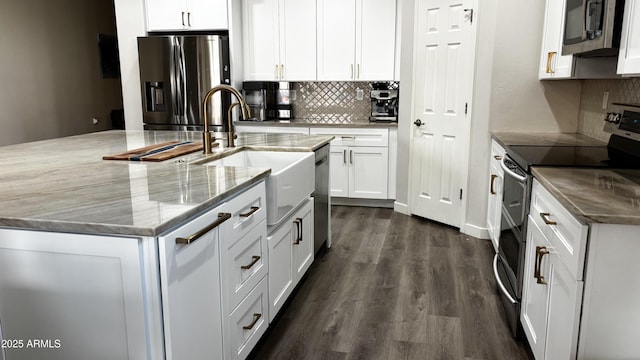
(49, 65)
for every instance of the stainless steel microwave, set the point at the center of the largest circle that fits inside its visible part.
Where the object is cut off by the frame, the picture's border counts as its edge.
(592, 27)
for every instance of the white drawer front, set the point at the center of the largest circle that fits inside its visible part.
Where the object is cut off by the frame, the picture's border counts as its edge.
(247, 210)
(567, 236)
(354, 136)
(244, 263)
(247, 323)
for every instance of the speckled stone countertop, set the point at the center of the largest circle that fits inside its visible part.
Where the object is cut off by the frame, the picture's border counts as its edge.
(64, 185)
(545, 139)
(317, 123)
(595, 195)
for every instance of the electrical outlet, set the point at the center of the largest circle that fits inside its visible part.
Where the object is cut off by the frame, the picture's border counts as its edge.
(359, 94)
(605, 100)
(94, 121)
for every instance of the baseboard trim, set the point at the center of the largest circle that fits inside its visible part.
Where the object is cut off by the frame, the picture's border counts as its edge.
(361, 202)
(476, 231)
(401, 208)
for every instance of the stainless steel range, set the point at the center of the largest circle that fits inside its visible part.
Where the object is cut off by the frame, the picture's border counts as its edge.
(622, 151)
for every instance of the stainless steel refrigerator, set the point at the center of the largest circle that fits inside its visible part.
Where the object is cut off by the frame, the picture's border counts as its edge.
(176, 71)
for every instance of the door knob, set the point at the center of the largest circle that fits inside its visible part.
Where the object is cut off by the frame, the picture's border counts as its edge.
(418, 122)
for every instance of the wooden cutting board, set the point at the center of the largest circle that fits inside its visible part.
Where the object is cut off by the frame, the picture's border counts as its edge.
(159, 152)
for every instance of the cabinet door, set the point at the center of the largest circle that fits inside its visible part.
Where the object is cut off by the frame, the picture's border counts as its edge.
(533, 315)
(552, 64)
(298, 40)
(565, 303)
(261, 39)
(494, 211)
(207, 14)
(336, 39)
(375, 39)
(629, 58)
(281, 276)
(190, 283)
(166, 15)
(368, 169)
(303, 240)
(339, 171)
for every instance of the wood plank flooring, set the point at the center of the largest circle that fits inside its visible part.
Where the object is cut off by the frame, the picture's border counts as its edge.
(394, 287)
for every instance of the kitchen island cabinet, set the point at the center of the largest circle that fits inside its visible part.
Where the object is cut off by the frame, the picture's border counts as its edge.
(580, 289)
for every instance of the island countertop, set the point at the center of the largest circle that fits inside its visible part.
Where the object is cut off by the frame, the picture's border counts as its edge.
(64, 185)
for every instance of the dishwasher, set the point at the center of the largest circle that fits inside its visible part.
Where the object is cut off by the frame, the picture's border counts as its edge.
(322, 201)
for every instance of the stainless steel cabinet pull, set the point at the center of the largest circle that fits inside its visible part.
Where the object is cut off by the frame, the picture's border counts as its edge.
(183, 18)
(344, 156)
(298, 222)
(348, 137)
(222, 217)
(497, 157)
(251, 212)
(275, 72)
(255, 259)
(540, 252)
(281, 72)
(546, 220)
(351, 156)
(256, 317)
(358, 71)
(493, 180)
(351, 71)
(189, 19)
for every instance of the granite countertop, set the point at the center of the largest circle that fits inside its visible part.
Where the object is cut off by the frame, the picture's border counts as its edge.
(545, 139)
(595, 195)
(64, 185)
(318, 123)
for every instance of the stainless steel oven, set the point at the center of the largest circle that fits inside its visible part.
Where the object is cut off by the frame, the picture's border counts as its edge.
(508, 263)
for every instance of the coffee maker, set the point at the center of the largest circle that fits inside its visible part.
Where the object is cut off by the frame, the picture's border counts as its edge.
(384, 106)
(268, 100)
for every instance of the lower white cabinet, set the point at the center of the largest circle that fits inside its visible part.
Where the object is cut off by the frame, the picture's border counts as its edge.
(290, 255)
(494, 201)
(359, 171)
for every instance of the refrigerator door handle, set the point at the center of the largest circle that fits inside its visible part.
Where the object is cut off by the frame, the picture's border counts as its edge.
(183, 79)
(175, 79)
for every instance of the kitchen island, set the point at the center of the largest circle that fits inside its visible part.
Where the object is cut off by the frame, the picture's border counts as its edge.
(94, 261)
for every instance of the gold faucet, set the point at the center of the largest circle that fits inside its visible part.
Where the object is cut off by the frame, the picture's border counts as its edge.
(206, 134)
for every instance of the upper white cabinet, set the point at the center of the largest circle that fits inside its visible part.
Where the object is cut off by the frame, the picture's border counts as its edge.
(552, 64)
(163, 15)
(356, 39)
(629, 58)
(279, 39)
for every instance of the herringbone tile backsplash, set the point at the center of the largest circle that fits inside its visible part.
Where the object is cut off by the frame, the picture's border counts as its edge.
(591, 116)
(334, 102)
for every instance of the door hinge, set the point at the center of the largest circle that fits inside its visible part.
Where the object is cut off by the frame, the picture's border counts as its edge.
(466, 108)
(460, 194)
(470, 14)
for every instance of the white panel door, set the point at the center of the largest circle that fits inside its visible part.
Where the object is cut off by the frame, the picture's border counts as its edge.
(375, 35)
(261, 37)
(207, 14)
(338, 171)
(443, 72)
(553, 65)
(298, 40)
(629, 58)
(166, 15)
(336, 39)
(368, 170)
(303, 240)
(281, 276)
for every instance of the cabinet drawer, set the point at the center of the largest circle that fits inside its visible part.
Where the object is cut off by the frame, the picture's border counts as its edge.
(354, 137)
(247, 323)
(247, 210)
(244, 263)
(497, 153)
(567, 236)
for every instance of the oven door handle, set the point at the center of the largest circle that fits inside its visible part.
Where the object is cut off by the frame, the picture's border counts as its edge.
(500, 284)
(504, 167)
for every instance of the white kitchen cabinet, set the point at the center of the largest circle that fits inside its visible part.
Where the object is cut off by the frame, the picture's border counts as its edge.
(494, 207)
(167, 15)
(89, 295)
(629, 57)
(290, 255)
(279, 39)
(554, 65)
(272, 129)
(359, 162)
(246, 324)
(356, 40)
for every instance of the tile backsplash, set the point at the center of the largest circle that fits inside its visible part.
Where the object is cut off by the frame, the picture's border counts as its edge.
(334, 101)
(590, 121)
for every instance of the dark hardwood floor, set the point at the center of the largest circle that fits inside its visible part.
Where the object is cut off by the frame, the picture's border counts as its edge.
(394, 287)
